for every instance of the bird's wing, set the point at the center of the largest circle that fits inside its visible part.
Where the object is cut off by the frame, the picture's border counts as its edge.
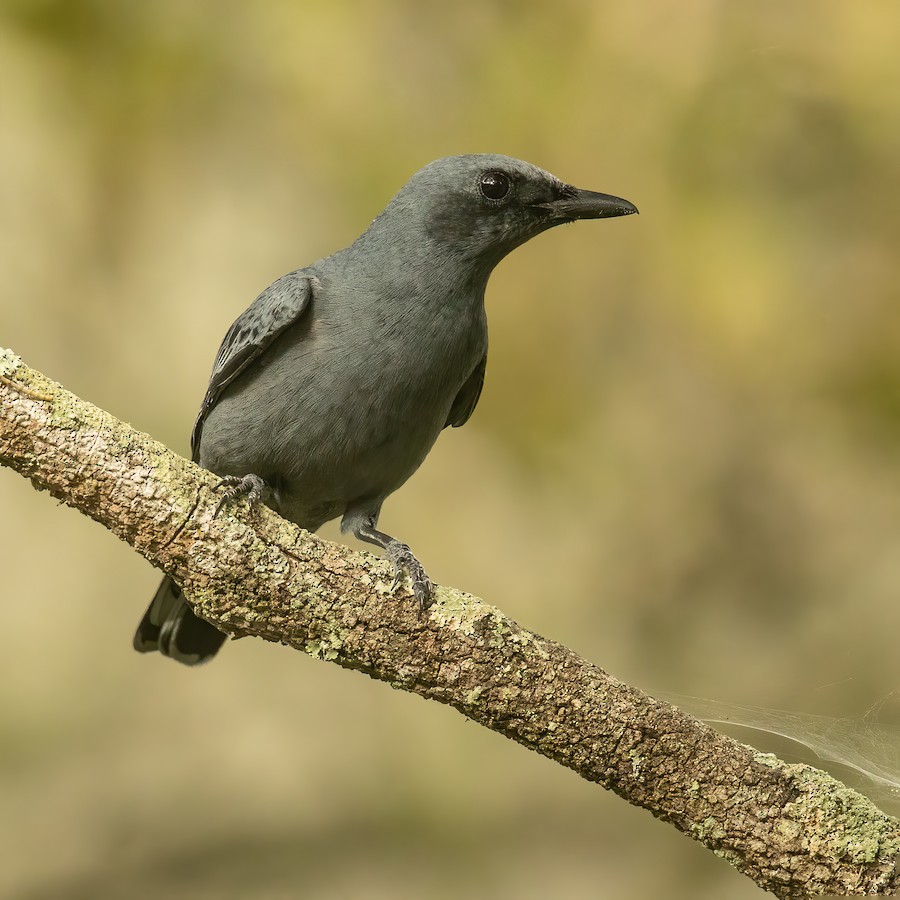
(467, 398)
(275, 309)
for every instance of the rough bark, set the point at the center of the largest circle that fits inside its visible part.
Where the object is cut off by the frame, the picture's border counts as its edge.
(793, 829)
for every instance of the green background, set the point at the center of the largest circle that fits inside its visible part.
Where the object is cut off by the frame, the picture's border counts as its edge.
(685, 463)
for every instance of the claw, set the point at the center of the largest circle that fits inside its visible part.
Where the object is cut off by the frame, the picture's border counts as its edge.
(405, 562)
(250, 486)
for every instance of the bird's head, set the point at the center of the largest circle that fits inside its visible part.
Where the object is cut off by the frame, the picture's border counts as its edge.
(482, 206)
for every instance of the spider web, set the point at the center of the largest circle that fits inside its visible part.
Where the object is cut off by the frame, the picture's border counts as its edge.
(866, 747)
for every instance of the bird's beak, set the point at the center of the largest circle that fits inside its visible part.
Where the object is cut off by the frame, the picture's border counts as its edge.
(579, 204)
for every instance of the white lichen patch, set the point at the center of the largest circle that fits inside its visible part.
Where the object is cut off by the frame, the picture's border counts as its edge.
(9, 361)
(326, 649)
(461, 611)
(528, 639)
(474, 695)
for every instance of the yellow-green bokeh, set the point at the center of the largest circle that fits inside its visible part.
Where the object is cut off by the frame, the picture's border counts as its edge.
(685, 463)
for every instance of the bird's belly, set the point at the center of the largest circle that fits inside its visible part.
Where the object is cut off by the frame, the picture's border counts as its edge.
(328, 443)
(356, 450)
(341, 413)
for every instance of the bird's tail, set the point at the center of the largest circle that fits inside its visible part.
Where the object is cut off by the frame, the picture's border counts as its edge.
(170, 627)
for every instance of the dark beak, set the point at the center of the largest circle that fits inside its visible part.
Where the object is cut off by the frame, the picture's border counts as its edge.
(578, 204)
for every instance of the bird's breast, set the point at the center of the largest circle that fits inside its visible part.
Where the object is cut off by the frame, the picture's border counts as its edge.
(349, 406)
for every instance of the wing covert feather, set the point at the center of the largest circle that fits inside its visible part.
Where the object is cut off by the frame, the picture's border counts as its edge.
(278, 307)
(467, 398)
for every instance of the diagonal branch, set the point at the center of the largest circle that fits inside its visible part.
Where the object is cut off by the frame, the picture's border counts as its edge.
(792, 829)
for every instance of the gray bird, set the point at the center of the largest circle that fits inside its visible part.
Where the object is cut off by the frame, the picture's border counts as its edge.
(329, 391)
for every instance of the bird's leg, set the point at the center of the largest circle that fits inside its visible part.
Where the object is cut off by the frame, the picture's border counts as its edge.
(250, 486)
(402, 559)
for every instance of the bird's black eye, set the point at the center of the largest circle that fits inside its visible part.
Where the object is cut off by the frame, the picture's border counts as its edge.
(494, 185)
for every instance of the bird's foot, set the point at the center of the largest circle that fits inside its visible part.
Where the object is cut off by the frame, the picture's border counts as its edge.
(403, 560)
(249, 486)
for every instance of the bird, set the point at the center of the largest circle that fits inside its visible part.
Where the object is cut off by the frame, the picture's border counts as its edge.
(329, 391)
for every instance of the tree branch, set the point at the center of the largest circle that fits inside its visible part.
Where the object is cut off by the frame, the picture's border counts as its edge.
(793, 829)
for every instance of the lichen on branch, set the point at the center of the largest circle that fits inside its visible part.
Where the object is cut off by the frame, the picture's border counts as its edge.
(792, 829)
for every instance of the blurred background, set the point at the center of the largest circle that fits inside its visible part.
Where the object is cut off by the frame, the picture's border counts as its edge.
(685, 463)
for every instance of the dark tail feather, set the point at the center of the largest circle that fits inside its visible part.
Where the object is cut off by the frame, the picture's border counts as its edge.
(170, 627)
